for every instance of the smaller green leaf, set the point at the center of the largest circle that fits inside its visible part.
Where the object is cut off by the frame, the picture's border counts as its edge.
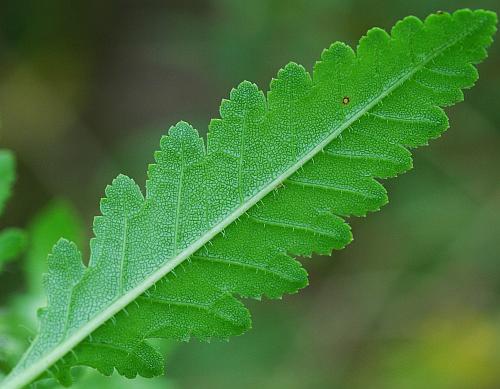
(12, 243)
(12, 240)
(7, 176)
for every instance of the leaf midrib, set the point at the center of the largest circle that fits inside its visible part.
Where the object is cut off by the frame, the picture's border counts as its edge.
(27, 375)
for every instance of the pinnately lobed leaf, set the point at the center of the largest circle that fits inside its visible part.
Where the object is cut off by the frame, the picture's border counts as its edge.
(277, 178)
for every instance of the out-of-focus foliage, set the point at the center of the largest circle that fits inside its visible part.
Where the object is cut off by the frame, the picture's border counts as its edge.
(77, 76)
(12, 240)
(7, 176)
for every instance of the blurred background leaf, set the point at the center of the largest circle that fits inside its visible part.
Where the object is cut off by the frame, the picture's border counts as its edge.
(88, 87)
(12, 243)
(7, 175)
(12, 240)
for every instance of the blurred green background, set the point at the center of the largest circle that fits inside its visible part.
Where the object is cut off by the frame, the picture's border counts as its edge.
(88, 87)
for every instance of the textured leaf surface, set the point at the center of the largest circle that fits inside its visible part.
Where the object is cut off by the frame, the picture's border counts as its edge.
(58, 218)
(276, 179)
(18, 319)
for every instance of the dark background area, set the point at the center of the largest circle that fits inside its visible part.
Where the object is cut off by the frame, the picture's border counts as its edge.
(88, 87)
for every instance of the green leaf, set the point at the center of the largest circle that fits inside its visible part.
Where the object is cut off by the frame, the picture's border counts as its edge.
(276, 179)
(12, 240)
(12, 243)
(7, 176)
(58, 218)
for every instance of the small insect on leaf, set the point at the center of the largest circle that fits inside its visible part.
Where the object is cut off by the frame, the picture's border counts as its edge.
(346, 100)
